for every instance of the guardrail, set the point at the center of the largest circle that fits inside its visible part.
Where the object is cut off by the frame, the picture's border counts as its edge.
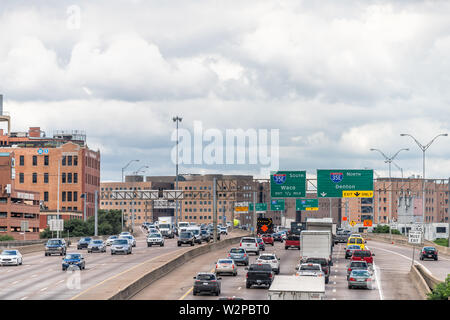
(423, 280)
(130, 282)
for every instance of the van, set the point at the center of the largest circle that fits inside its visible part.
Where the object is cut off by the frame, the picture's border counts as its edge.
(356, 241)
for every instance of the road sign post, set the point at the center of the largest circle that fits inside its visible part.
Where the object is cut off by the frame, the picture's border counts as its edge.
(339, 183)
(288, 184)
(414, 238)
(24, 227)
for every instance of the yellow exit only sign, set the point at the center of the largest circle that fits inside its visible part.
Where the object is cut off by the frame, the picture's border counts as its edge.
(357, 194)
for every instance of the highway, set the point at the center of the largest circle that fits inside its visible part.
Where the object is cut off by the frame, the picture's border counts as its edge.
(41, 277)
(391, 278)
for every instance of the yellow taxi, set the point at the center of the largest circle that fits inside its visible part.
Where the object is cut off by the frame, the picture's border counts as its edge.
(356, 241)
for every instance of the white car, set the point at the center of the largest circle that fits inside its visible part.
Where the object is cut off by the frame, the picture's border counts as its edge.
(272, 259)
(110, 240)
(11, 257)
(130, 238)
(310, 269)
(250, 245)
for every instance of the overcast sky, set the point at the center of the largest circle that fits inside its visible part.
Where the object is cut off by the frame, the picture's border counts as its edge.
(335, 77)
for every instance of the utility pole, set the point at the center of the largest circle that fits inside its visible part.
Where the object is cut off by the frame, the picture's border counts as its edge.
(57, 210)
(96, 213)
(177, 120)
(448, 229)
(215, 209)
(254, 214)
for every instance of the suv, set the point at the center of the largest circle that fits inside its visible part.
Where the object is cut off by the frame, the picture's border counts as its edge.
(73, 259)
(205, 235)
(271, 259)
(239, 256)
(363, 255)
(84, 243)
(186, 238)
(55, 246)
(250, 245)
(206, 282)
(155, 239)
(323, 264)
(429, 253)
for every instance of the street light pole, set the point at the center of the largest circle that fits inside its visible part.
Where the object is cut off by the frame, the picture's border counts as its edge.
(176, 119)
(123, 169)
(389, 160)
(423, 148)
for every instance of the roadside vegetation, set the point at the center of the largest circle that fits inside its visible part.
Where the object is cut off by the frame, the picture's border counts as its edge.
(442, 291)
(384, 229)
(441, 242)
(6, 238)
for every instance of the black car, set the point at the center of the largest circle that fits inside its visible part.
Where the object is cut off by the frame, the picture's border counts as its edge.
(429, 253)
(277, 237)
(207, 282)
(83, 243)
(186, 238)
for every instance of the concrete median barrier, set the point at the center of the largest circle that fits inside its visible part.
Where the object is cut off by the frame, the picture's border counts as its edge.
(130, 282)
(419, 282)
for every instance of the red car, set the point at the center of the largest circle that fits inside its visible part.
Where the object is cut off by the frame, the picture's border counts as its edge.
(268, 239)
(292, 241)
(363, 255)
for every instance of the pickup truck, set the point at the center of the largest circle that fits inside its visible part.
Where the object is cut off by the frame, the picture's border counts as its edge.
(341, 237)
(259, 274)
(292, 241)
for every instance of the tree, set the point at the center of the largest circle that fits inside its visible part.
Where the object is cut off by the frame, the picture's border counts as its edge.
(442, 291)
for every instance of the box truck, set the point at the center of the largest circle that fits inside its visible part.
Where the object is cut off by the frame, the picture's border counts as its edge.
(316, 244)
(297, 288)
(165, 225)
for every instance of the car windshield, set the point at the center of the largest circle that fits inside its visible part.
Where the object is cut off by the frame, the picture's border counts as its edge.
(267, 258)
(9, 253)
(155, 236)
(309, 268)
(293, 238)
(248, 240)
(429, 249)
(185, 235)
(120, 242)
(225, 261)
(318, 261)
(204, 232)
(196, 232)
(237, 251)
(361, 253)
(359, 264)
(206, 277)
(127, 237)
(260, 267)
(73, 256)
(360, 273)
(113, 237)
(54, 242)
(86, 239)
(97, 242)
(354, 247)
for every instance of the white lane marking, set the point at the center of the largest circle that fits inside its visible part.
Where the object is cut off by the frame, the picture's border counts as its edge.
(378, 281)
(16, 282)
(335, 277)
(408, 258)
(334, 290)
(239, 288)
(23, 298)
(334, 282)
(60, 281)
(43, 289)
(34, 275)
(334, 299)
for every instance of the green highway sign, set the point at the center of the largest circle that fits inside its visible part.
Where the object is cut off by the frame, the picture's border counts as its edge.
(277, 205)
(288, 184)
(307, 204)
(260, 207)
(338, 183)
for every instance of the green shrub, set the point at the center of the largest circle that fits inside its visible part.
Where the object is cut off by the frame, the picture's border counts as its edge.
(441, 242)
(442, 291)
(6, 238)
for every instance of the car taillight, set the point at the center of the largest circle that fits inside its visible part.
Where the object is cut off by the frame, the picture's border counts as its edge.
(352, 279)
(368, 279)
(217, 266)
(246, 275)
(240, 245)
(229, 255)
(213, 281)
(256, 245)
(233, 266)
(349, 269)
(245, 255)
(270, 275)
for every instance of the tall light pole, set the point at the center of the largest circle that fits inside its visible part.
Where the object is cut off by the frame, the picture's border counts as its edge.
(389, 160)
(423, 148)
(123, 169)
(176, 119)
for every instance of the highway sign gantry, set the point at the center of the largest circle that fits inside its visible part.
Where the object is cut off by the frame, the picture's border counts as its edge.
(277, 205)
(307, 204)
(288, 184)
(341, 183)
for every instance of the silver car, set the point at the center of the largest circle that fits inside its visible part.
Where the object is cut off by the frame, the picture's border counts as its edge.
(131, 238)
(360, 279)
(96, 246)
(121, 246)
(111, 239)
(310, 269)
(226, 266)
(155, 239)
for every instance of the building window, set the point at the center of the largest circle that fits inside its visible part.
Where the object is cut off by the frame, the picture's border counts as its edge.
(34, 160)
(46, 196)
(21, 177)
(75, 196)
(45, 160)
(75, 160)
(46, 177)
(69, 196)
(22, 160)
(64, 177)
(34, 177)
(69, 160)
(63, 196)
(69, 177)
(64, 160)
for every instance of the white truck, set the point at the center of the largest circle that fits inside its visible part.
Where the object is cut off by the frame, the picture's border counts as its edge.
(316, 244)
(297, 288)
(321, 224)
(165, 225)
(182, 226)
